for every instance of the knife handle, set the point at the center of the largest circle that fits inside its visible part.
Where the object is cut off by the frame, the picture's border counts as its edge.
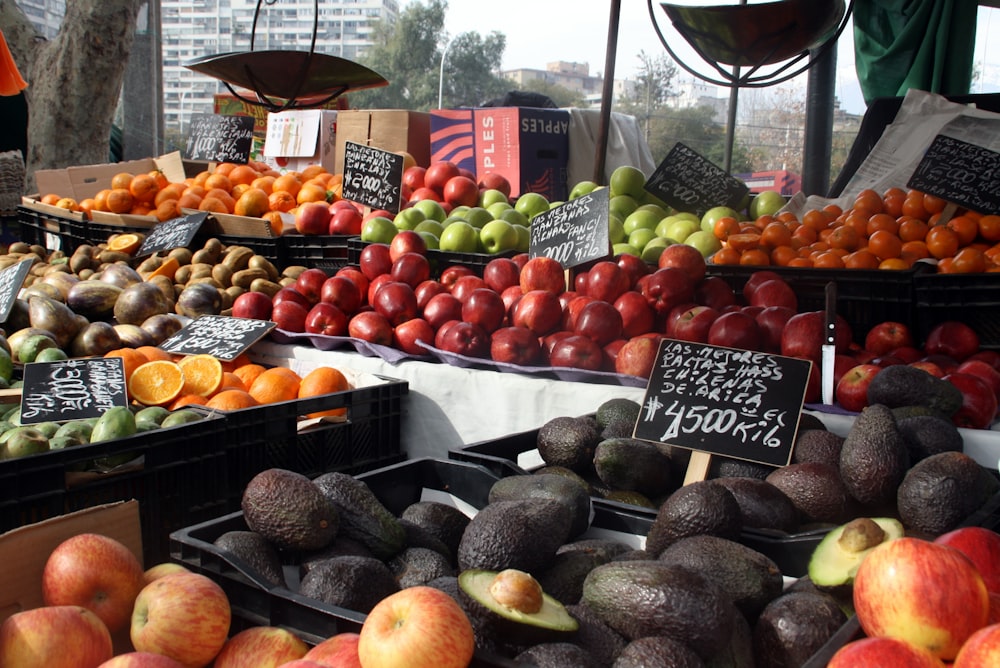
(830, 311)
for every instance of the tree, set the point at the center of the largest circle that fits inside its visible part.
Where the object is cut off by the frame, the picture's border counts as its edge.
(652, 89)
(74, 80)
(408, 53)
(560, 95)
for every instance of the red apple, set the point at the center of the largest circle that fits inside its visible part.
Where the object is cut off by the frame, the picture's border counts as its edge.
(441, 308)
(371, 326)
(305, 663)
(637, 356)
(406, 241)
(715, 292)
(378, 213)
(952, 338)
(572, 303)
(666, 288)
(96, 572)
(345, 220)
(883, 653)
(804, 335)
(979, 402)
(929, 367)
(510, 297)
(550, 340)
(260, 647)
(984, 370)
(691, 323)
(755, 279)
(577, 351)
(413, 177)
(441, 331)
(427, 289)
(637, 315)
(611, 351)
(396, 301)
(494, 181)
(944, 362)
(461, 191)
(55, 636)
(841, 365)
(253, 305)
(411, 268)
(342, 292)
(599, 321)
(312, 218)
(686, 258)
(465, 285)
(439, 173)
(606, 281)
(417, 627)
(991, 357)
(981, 649)
(326, 319)
(424, 192)
(290, 316)
(920, 592)
(772, 321)
(775, 293)
(735, 330)
(515, 345)
(338, 651)
(887, 360)
(376, 285)
(500, 273)
(580, 282)
(309, 284)
(355, 276)
(464, 338)
(852, 390)
(538, 310)
(484, 307)
(887, 336)
(374, 260)
(906, 353)
(543, 273)
(451, 274)
(141, 660)
(289, 294)
(634, 266)
(752, 311)
(982, 547)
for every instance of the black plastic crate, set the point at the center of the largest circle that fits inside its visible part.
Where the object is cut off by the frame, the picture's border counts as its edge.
(50, 230)
(865, 297)
(178, 475)
(267, 436)
(970, 298)
(328, 252)
(439, 260)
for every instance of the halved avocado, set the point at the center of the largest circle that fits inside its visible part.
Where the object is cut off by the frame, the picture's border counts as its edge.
(512, 605)
(835, 560)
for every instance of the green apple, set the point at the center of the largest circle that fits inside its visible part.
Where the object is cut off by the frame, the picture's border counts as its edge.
(766, 203)
(628, 180)
(655, 208)
(616, 230)
(555, 205)
(460, 210)
(713, 214)
(531, 204)
(378, 230)
(640, 219)
(513, 216)
(432, 240)
(498, 236)
(409, 218)
(705, 242)
(477, 216)
(431, 226)
(677, 228)
(491, 196)
(651, 251)
(431, 209)
(523, 238)
(622, 206)
(624, 249)
(582, 188)
(459, 237)
(497, 208)
(650, 198)
(640, 237)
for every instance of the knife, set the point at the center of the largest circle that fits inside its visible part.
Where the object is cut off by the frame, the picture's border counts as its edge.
(829, 339)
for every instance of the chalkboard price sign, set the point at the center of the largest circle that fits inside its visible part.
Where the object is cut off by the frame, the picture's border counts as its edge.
(11, 280)
(372, 177)
(573, 233)
(222, 336)
(724, 401)
(72, 389)
(959, 172)
(220, 138)
(175, 233)
(688, 182)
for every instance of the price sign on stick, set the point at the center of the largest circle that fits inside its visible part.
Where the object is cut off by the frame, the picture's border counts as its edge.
(72, 389)
(222, 336)
(724, 401)
(11, 280)
(176, 233)
(960, 172)
(573, 233)
(372, 177)
(220, 138)
(688, 182)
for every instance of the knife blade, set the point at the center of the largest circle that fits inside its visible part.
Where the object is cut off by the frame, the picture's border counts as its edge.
(829, 342)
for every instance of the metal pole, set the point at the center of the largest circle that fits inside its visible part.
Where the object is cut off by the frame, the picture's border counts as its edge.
(817, 149)
(444, 54)
(607, 94)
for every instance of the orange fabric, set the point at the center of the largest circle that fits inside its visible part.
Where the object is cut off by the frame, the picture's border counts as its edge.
(11, 82)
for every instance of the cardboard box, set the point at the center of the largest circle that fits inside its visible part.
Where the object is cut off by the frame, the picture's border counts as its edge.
(387, 129)
(24, 551)
(299, 138)
(529, 146)
(86, 181)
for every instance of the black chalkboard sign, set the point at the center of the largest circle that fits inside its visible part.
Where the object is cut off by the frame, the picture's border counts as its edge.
(960, 172)
(174, 233)
(688, 182)
(724, 401)
(218, 138)
(11, 280)
(372, 177)
(72, 389)
(574, 232)
(219, 335)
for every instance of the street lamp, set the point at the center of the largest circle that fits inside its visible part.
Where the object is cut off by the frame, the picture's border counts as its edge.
(444, 54)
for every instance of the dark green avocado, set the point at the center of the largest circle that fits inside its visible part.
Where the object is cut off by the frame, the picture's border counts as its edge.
(570, 442)
(522, 534)
(258, 553)
(702, 507)
(362, 515)
(874, 457)
(793, 627)
(287, 509)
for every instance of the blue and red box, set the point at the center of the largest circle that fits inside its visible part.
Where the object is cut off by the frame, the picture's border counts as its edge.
(527, 145)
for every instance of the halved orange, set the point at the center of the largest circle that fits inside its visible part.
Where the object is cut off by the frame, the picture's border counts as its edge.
(202, 374)
(156, 383)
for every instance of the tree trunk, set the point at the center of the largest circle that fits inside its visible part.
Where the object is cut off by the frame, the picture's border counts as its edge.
(74, 81)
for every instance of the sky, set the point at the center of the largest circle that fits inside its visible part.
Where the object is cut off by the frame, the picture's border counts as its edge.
(543, 31)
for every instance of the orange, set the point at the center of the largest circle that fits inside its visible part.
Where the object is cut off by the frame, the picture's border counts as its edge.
(248, 373)
(202, 374)
(861, 259)
(276, 222)
(324, 380)
(120, 200)
(274, 385)
(101, 199)
(966, 228)
(312, 171)
(121, 180)
(942, 241)
(188, 400)
(754, 257)
(220, 181)
(884, 244)
(188, 201)
(50, 199)
(311, 192)
(224, 168)
(288, 182)
(725, 226)
(281, 200)
(912, 229)
(166, 210)
(989, 228)
(213, 205)
(230, 381)
(144, 188)
(152, 353)
(131, 358)
(156, 383)
(264, 183)
(231, 400)
(243, 174)
(252, 203)
(726, 256)
(125, 243)
(969, 260)
(223, 196)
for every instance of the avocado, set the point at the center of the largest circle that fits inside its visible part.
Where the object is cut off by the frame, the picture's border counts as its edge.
(618, 429)
(567, 473)
(701, 507)
(633, 465)
(727, 467)
(654, 598)
(448, 584)
(417, 566)
(817, 445)
(417, 536)
(631, 498)
(816, 490)
(638, 554)
(556, 655)
(522, 534)
(354, 583)
(905, 385)
(546, 486)
(658, 652)
(810, 421)
(564, 577)
(341, 546)
(617, 408)
(737, 652)
(762, 505)
(793, 627)
(943, 490)
(512, 605)
(592, 634)
(258, 553)
(287, 509)
(362, 515)
(568, 441)
(834, 562)
(751, 579)
(444, 521)
(874, 457)
(605, 548)
(928, 435)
